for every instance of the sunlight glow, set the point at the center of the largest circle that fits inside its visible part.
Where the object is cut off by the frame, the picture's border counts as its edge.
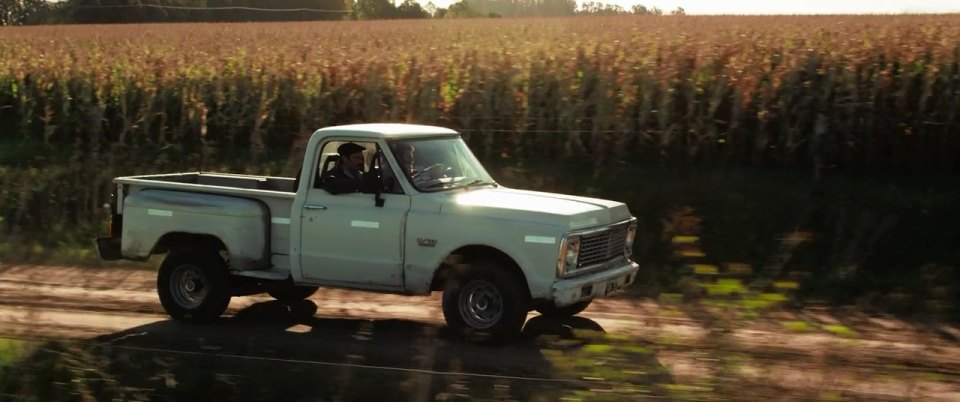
(694, 7)
(499, 198)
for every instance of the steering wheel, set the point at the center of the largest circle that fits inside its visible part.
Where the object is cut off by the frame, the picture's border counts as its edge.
(437, 171)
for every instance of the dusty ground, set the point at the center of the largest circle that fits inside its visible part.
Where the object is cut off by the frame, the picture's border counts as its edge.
(355, 343)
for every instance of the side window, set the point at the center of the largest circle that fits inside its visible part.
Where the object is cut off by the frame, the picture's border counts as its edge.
(329, 161)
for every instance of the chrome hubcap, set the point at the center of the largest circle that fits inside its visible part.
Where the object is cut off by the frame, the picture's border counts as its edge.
(481, 304)
(188, 286)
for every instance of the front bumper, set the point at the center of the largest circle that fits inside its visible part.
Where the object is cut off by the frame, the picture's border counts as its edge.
(598, 284)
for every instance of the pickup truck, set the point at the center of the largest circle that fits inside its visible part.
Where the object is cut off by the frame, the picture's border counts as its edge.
(427, 217)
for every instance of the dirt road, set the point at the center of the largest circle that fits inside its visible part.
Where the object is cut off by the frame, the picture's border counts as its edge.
(343, 345)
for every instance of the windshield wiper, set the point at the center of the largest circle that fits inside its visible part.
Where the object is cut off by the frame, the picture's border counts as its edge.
(445, 185)
(477, 182)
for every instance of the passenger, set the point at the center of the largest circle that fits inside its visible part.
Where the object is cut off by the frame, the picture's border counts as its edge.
(347, 176)
(404, 153)
(405, 157)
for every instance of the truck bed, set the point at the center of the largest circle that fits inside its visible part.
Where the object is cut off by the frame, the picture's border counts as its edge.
(219, 180)
(277, 193)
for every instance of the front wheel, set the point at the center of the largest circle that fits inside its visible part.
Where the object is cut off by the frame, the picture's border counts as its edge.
(485, 303)
(194, 285)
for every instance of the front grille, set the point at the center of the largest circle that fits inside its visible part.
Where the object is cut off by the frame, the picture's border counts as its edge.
(600, 247)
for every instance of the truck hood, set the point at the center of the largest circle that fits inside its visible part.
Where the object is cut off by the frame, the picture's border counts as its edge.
(572, 212)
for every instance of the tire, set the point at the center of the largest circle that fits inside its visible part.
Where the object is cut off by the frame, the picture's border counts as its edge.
(552, 311)
(485, 303)
(194, 285)
(286, 292)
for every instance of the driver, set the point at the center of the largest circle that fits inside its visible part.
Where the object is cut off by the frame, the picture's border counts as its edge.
(347, 176)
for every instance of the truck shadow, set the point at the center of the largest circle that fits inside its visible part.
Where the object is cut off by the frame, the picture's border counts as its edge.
(271, 349)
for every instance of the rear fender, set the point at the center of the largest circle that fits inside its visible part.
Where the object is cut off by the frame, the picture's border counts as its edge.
(152, 217)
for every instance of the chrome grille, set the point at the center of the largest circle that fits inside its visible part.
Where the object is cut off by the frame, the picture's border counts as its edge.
(600, 247)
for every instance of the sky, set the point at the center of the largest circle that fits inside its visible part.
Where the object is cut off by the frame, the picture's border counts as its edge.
(786, 6)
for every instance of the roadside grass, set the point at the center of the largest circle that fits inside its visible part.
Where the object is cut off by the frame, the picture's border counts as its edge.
(659, 364)
(60, 371)
(11, 352)
(26, 252)
(647, 361)
(36, 253)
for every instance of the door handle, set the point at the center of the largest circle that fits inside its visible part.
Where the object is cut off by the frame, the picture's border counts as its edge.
(320, 207)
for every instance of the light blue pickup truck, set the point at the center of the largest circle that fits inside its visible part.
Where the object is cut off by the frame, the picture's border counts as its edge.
(428, 217)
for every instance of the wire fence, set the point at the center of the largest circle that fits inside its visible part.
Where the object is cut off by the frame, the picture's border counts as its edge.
(232, 8)
(158, 13)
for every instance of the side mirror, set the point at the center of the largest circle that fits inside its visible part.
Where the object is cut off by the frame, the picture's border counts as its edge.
(371, 182)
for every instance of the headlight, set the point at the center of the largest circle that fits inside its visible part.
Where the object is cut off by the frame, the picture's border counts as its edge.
(628, 245)
(569, 252)
(573, 251)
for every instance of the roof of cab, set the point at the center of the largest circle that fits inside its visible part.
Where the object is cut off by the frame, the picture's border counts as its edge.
(387, 130)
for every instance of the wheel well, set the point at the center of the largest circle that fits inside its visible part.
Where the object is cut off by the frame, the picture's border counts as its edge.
(175, 240)
(461, 257)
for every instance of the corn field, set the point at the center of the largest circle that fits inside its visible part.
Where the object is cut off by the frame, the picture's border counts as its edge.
(879, 92)
(819, 95)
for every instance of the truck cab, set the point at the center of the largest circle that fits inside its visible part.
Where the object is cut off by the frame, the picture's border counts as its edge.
(424, 216)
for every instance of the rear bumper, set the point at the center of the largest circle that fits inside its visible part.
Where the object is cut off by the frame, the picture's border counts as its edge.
(108, 248)
(599, 284)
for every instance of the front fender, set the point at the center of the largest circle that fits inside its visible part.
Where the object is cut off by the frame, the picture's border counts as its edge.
(431, 238)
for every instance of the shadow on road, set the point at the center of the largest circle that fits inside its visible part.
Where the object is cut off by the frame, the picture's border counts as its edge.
(272, 351)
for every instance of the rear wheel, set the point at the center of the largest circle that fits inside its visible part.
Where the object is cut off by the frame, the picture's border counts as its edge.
(552, 311)
(485, 303)
(194, 285)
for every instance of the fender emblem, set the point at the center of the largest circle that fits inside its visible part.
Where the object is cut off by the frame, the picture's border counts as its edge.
(426, 242)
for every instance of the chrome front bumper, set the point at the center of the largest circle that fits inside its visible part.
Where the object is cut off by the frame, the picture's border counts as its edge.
(598, 284)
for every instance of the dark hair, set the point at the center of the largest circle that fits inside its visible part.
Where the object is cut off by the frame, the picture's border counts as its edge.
(349, 149)
(401, 146)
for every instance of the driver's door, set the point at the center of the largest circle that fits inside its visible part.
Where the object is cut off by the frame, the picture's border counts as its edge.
(346, 239)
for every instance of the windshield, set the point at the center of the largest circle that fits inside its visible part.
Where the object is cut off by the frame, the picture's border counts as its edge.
(435, 164)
